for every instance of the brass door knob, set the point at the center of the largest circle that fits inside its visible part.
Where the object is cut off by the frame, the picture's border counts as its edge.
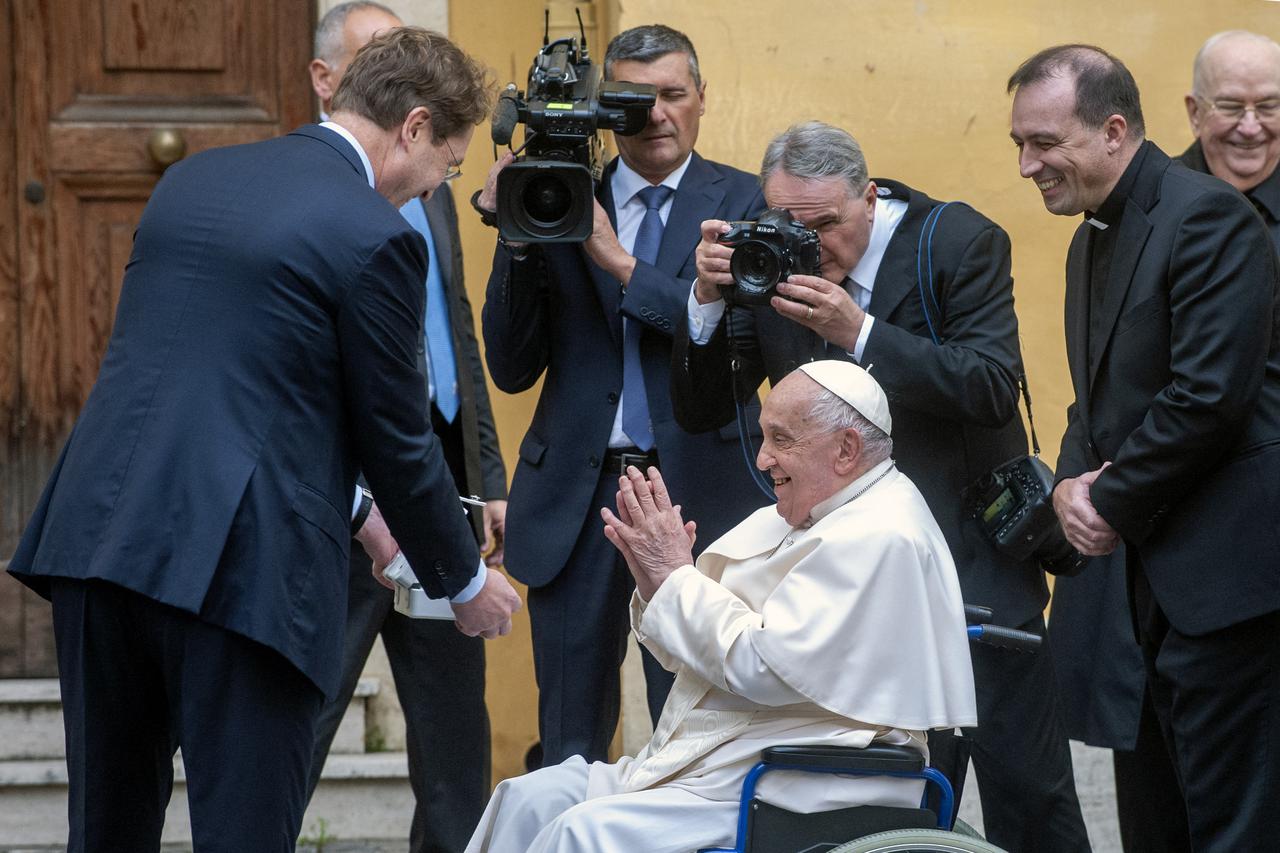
(166, 146)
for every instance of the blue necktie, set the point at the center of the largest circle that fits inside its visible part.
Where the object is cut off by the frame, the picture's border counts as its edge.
(443, 367)
(635, 405)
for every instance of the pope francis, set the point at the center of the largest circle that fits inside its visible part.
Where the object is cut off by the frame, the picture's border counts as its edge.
(833, 618)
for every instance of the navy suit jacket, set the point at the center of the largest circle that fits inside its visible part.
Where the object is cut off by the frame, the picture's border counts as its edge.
(558, 316)
(264, 351)
(954, 405)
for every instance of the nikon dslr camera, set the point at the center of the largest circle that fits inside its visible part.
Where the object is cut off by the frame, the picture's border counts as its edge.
(1013, 506)
(765, 252)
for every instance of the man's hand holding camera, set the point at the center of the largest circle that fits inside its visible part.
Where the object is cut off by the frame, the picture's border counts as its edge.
(809, 300)
(824, 307)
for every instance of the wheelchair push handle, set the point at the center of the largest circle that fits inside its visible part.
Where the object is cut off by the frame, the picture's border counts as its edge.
(1005, 638)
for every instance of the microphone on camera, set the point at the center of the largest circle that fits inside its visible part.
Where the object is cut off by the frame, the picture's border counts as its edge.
(506, 115)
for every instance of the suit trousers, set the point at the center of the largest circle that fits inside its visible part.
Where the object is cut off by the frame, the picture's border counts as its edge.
(440, 680)
(1217, 697)
(1021, 755)
(1152, 815)
(579, 622)
(139, 679)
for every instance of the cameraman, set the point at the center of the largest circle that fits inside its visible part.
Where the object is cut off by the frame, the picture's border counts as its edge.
(955, 409)
(581, 318)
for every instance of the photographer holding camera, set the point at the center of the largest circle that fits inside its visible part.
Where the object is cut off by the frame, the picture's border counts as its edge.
(920, 294)
(594, 321)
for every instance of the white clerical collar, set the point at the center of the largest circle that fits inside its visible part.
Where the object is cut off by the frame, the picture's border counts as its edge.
(889, 212)
(346, 134)
(1097, 223)
(824, 508)
(627, 182)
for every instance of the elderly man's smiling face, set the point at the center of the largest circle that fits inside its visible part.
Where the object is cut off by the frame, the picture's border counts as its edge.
(799, 453)
(1237, 115)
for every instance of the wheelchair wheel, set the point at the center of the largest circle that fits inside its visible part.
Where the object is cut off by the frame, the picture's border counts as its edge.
(917, 841)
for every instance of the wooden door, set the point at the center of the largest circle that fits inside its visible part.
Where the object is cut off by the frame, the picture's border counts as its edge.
(104, 93)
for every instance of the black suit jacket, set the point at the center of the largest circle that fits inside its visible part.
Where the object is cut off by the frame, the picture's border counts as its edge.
(264, 351)
(954, 406)
(486, 473)
(1184, 398)
(558, 317)
(1265, 196)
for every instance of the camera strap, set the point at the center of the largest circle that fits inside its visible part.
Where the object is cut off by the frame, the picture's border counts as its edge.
(1026, 399)
(924, 258)
(740, 408)
(924, 272)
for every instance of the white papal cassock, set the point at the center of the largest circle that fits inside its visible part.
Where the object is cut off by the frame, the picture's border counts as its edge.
(848, 631)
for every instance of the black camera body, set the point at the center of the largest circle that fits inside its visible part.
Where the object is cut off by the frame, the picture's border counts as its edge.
(547, 195)
(765, 252)
(1013, 506)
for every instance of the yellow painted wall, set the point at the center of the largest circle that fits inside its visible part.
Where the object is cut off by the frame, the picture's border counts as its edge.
(920, 83)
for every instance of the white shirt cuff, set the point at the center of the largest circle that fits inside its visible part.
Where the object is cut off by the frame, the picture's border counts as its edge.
(355, 503)
(703, 319)
(473, 588)
(867, 322)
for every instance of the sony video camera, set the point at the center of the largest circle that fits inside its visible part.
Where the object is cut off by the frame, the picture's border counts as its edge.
(765, 252)
(1013, 506)
(547, 195)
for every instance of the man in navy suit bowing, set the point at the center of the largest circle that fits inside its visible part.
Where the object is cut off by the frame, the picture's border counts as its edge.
(194, 534)
(439, 673)
(594, 322)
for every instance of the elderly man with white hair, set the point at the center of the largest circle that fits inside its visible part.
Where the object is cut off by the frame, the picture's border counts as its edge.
(1234, 110)
(835, 618)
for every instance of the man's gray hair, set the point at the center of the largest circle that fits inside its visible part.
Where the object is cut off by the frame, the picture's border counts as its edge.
(328, 44)
(649, 43)
(814, 150)
(1199, 69)
(834, 412)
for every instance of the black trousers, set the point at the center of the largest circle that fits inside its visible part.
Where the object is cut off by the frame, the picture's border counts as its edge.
(139, 679)
(1217, 697)
(1020, 753)
(440, 680)
(579, 625)
(1152, 815)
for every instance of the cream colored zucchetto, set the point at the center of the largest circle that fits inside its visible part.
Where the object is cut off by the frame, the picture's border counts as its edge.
(855, 386)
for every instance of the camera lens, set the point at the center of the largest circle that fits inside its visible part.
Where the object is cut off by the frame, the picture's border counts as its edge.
(546, 200)
(756, 266)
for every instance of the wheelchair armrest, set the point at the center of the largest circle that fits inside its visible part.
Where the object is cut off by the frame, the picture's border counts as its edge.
(875, 758)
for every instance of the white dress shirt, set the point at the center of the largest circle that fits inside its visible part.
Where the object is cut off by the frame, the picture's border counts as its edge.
(626, 185)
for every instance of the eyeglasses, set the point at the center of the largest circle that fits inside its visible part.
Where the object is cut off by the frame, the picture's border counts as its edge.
(1233, 111)
(453, 170)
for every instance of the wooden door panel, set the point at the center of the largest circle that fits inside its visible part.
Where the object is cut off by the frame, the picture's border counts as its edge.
(216, 59)
(91, 82)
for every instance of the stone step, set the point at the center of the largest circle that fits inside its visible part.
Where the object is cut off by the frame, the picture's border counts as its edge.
(31, 720)
(363, 802)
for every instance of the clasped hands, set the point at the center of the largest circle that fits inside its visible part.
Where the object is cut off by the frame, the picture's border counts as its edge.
(809, 300)
(648, 530)
(1086, 530)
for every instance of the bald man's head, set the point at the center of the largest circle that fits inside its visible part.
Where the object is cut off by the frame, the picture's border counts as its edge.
(1234, 106)
(342, 31)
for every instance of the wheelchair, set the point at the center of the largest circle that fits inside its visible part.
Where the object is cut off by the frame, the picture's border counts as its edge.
(931, 828)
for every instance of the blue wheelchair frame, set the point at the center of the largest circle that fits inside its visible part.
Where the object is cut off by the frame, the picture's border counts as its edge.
(877, 759)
